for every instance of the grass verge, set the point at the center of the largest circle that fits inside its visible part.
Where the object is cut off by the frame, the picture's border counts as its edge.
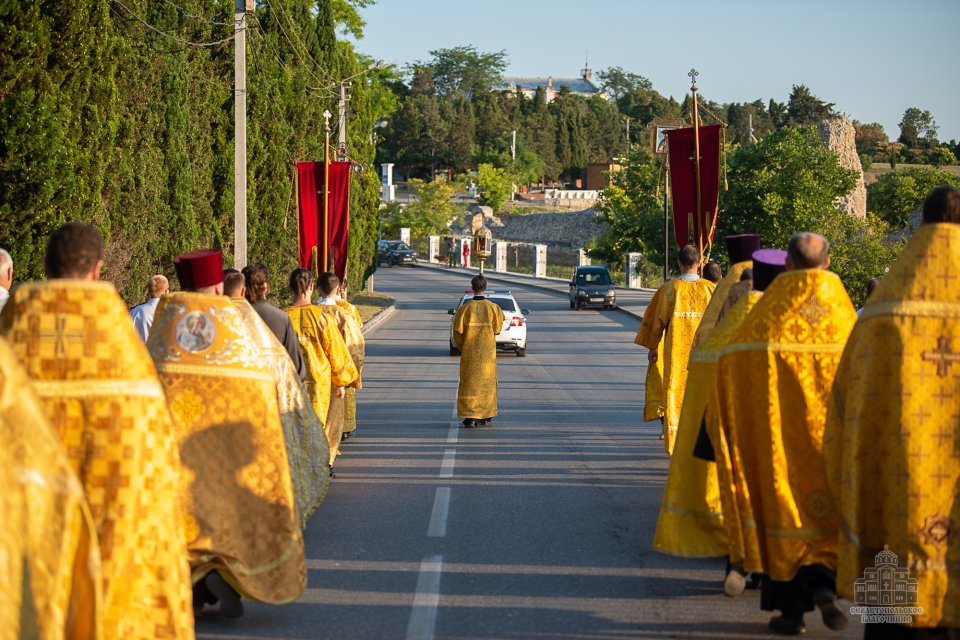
(370, 304)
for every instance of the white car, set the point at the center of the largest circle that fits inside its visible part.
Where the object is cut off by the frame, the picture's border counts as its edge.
(513, 334)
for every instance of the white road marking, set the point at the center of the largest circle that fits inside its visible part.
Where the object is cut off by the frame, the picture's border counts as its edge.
(423, 618)
(441, 509)
(453, 433)
(446, 467)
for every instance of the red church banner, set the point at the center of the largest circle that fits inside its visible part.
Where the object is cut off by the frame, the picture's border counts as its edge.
(686, 222)
(310, 198)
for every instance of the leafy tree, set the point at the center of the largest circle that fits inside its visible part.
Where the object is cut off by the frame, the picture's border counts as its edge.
(493, 186)
(643, 105)
(871, 139)
(918, 129)
(616, 82)
(805, 108)
(739, 118)
(466, 70)
(895, 195)
(631, 207)
(430, 214)
(942, 156)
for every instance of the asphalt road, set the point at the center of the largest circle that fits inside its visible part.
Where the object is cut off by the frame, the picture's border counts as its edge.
(538, 526)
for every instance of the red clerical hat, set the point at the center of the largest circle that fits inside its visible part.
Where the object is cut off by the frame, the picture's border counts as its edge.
(767, 265)
(199, 269)
(742, 246)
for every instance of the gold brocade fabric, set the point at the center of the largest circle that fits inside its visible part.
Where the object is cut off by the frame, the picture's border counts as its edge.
(241, 513)
(653, 383)
(707, 357)
(691, 522)
(350, 401)
(353, 339)
(712, 313)
(475, 326)
(785, 354)
(49, 560)
(893, 431)
(307, 447)
(100, 391)
(329, 365)
(674, 321)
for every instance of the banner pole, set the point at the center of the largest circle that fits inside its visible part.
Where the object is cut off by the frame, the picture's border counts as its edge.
(326, 193)
(698, 216)
(666, 216)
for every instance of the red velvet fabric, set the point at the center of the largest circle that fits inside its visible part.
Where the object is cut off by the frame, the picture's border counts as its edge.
(686, 225)
(310, 197)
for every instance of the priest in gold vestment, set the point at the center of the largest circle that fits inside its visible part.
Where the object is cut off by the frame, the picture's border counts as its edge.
(893, 430)
(49, 561)
(674, 321)
(99, 389)
(307, 447)
(475, 326)
(690, 522)
(653, 382)
(350, 404)
(329, 364)
(328, 284)
(243, 532)
(786, 353)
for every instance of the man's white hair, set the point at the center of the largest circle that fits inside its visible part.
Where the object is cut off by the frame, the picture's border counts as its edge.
(5, 259)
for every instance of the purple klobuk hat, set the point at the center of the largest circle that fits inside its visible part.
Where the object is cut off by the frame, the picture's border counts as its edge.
(741, 247)
(767, 265)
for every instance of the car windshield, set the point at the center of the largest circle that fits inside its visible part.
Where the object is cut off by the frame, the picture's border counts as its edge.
(401, 246)
(598, 278)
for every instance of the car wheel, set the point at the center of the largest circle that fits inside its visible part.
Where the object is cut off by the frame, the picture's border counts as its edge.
(613, 307)
(578, 306)
(521, 353)
(454, 351)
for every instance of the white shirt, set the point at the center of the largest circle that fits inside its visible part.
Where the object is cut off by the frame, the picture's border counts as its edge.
(143, 317)
(4, 296)
(327, 302)
(689, 277)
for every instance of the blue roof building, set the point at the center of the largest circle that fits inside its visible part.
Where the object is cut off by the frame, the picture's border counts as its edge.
(582, 86)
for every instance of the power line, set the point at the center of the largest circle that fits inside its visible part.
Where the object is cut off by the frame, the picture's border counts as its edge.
(184, 13)
(170, 37)
(296, 50)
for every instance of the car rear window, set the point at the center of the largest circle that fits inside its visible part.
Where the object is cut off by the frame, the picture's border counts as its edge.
(593, 277)
(506, 304)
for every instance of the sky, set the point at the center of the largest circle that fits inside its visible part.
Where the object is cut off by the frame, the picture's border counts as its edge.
(873, 59)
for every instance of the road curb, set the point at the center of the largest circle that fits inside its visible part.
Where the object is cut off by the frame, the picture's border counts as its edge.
(376, 320)
(533, 282)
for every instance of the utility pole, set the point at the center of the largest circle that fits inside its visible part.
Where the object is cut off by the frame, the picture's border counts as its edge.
(240, 134)
(513, 146)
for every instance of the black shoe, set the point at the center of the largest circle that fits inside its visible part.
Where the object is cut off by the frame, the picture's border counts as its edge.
(832, 614)
(332, 474)
(346, 435)
(787, 627)
(230, 605)
(470, 423)
(486, 421)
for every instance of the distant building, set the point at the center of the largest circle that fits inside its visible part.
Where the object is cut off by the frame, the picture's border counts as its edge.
(886, 583)
(582, 86)
(598, 174)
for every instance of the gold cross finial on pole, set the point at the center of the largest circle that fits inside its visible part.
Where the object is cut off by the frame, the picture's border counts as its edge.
(693, 78)
(326, 120)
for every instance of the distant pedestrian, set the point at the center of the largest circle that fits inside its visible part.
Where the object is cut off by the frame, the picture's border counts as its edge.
(466, 253)
(451, 251)
(143, 314)
(474, 327)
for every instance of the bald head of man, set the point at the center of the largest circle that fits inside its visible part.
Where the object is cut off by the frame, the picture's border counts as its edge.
(808, 251)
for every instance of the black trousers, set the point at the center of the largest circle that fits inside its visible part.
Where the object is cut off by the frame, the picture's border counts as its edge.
(794, 598)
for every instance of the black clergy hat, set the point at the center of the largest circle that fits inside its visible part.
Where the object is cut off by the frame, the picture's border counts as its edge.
(741, 247)
(767, 265)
